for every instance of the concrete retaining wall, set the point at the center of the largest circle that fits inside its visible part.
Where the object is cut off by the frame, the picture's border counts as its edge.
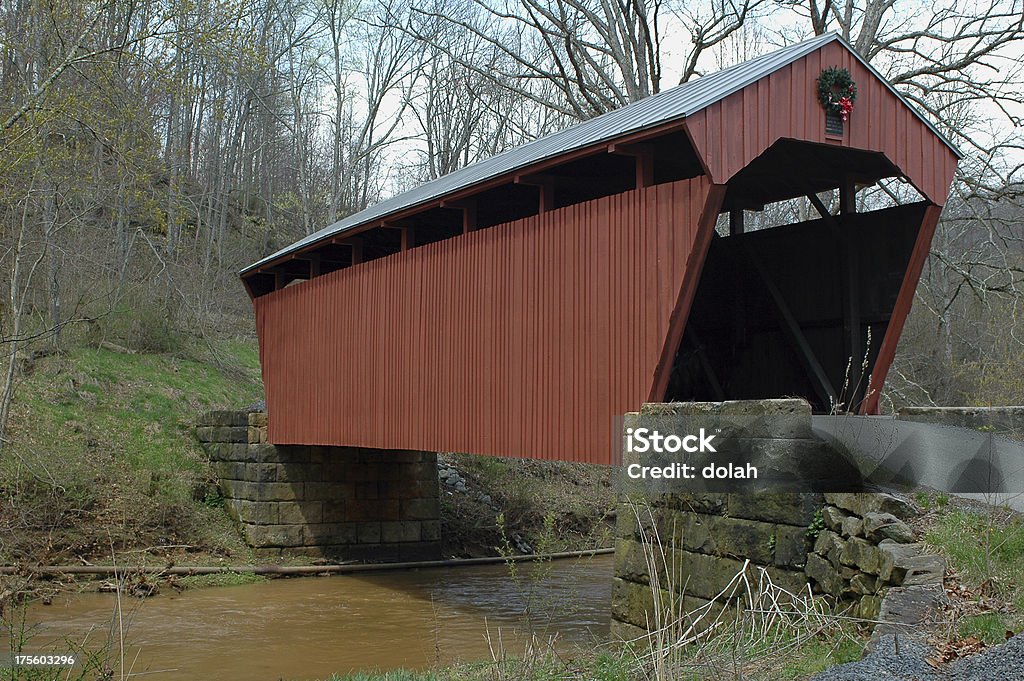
(342, 503)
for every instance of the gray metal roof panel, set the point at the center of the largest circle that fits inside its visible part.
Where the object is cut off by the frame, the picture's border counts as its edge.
(674, 103)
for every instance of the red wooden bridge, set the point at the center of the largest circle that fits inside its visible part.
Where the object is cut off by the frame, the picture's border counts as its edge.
(516, 306)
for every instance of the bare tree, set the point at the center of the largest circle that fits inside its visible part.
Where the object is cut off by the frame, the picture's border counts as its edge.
(371, 61)
(590, 56)
(22, 270)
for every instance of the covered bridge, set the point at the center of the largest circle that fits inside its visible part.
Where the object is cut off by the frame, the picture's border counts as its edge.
(515, 306)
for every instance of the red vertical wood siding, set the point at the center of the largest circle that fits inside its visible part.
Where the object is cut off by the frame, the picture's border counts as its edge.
(687, 291)
(784, 105)
(523, 339)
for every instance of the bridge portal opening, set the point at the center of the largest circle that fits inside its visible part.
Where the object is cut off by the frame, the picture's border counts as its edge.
(797, 310)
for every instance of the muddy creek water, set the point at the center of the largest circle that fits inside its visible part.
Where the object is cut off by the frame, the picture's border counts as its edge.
(311, 627)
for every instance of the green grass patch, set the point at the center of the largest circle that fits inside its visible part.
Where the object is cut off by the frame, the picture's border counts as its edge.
(619, 664)
(990, 627)
(103, 447)
(396, 675)
(143, 407)
(987, 551)
(600, 666)
(819, 654)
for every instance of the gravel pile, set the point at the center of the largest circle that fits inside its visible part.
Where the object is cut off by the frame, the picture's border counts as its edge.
(1002, 662)
(884, 663)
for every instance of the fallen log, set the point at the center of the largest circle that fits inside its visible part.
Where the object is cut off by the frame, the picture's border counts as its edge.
(287, 570)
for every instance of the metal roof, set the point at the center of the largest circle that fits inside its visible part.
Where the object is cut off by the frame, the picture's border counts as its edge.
(668, 105)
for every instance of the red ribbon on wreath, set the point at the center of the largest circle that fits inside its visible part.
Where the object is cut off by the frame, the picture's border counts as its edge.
(837, 92)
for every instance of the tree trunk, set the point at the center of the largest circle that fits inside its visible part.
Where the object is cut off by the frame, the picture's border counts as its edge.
(52, 263)
(13, 342)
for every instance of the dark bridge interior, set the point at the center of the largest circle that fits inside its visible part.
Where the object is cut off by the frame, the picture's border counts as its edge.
(606, 171)
(800, 309)
(797, 310)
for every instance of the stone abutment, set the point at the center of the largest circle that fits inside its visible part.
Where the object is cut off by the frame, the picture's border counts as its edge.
(341, 503)
(854, 548)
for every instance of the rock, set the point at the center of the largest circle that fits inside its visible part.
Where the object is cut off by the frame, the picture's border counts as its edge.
(833, 518)
(863, 554)
(896, 506)
(906, 610)
(879, 526)
(260, 536)
(630, 561)
(790, 546)
(694, 502)
(823, 574)
(929, 569)
(869, 607)
(704, 576)
(888, 660)
(681, 529)
(852, 526)
(632, 603)
(991, 663)
(909, 565)
(731, 537)
(224, 419)
(862, 503)
(791, 580)
(782, 508)
(621, 632)
(830, 545)
(863, 584)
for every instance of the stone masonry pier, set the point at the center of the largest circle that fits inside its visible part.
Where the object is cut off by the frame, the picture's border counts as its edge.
(342, 503)
(852, 548)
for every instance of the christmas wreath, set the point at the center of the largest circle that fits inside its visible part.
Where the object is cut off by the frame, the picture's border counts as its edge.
(837, 91)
